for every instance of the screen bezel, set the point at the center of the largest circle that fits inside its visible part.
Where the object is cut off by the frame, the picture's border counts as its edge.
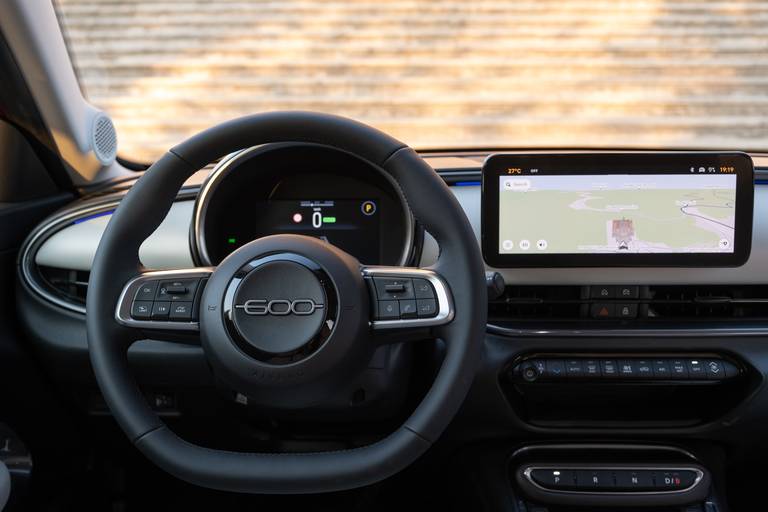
(496, 165)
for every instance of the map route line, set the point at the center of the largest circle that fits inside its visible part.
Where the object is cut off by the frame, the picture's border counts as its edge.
(682, 209)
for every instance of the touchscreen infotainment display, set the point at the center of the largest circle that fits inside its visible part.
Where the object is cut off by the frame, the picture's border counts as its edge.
(617, 213)
(617, 209)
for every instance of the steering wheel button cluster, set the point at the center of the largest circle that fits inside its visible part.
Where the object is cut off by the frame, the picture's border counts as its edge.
(404, 298)
(159, 300)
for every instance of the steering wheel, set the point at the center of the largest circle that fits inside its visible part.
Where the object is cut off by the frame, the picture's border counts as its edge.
(285, 320)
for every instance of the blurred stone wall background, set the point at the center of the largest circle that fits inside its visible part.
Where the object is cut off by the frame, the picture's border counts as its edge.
(486, 73)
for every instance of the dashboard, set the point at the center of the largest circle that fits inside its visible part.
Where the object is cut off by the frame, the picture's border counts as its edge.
(69, 238)
(66, 242)
(627, 342)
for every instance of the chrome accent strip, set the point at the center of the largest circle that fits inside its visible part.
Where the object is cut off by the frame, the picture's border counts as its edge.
(443, 295)
(220, 170)
(225, 166)
(708, 332)
(124, 303)
(42, 232)
(697, 480)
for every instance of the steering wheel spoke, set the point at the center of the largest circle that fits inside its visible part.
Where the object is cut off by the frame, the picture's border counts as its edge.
(407, 302)
(164, 303)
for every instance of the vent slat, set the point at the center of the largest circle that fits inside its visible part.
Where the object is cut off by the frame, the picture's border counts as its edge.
(715, 302)
(70, 285)
(656, 303)
(551, 303)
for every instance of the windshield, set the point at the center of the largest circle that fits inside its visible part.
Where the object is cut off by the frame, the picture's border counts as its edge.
(435, 74)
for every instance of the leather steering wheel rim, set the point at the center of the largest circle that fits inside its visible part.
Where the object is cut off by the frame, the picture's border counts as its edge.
(143, 209)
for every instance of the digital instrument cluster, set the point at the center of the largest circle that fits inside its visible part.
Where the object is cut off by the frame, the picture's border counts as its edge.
(303, 189)
(353, 225)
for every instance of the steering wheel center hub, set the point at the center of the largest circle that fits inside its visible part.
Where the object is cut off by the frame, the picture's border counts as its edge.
(284, 321)
(280, 308)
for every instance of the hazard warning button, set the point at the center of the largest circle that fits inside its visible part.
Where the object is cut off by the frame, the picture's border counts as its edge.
(603, 311)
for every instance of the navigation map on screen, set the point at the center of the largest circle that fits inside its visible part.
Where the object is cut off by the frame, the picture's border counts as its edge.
(617, 213)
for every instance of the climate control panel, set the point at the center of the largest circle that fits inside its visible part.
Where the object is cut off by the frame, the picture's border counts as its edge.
(624, 368)
(593, 389)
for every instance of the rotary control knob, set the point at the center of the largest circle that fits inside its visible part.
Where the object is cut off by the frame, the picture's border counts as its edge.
(529, 372)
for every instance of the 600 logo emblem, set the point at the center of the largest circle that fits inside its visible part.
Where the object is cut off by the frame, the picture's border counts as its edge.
(279, 307)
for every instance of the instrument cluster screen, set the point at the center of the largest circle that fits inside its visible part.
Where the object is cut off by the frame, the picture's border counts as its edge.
(352, 225)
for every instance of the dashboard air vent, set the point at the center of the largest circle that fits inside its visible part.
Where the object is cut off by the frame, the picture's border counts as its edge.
(549, 303)
(69, 285)
(637, 304)
(719, 302)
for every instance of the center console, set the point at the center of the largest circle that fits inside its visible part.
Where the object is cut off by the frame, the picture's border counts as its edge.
(610, 382)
